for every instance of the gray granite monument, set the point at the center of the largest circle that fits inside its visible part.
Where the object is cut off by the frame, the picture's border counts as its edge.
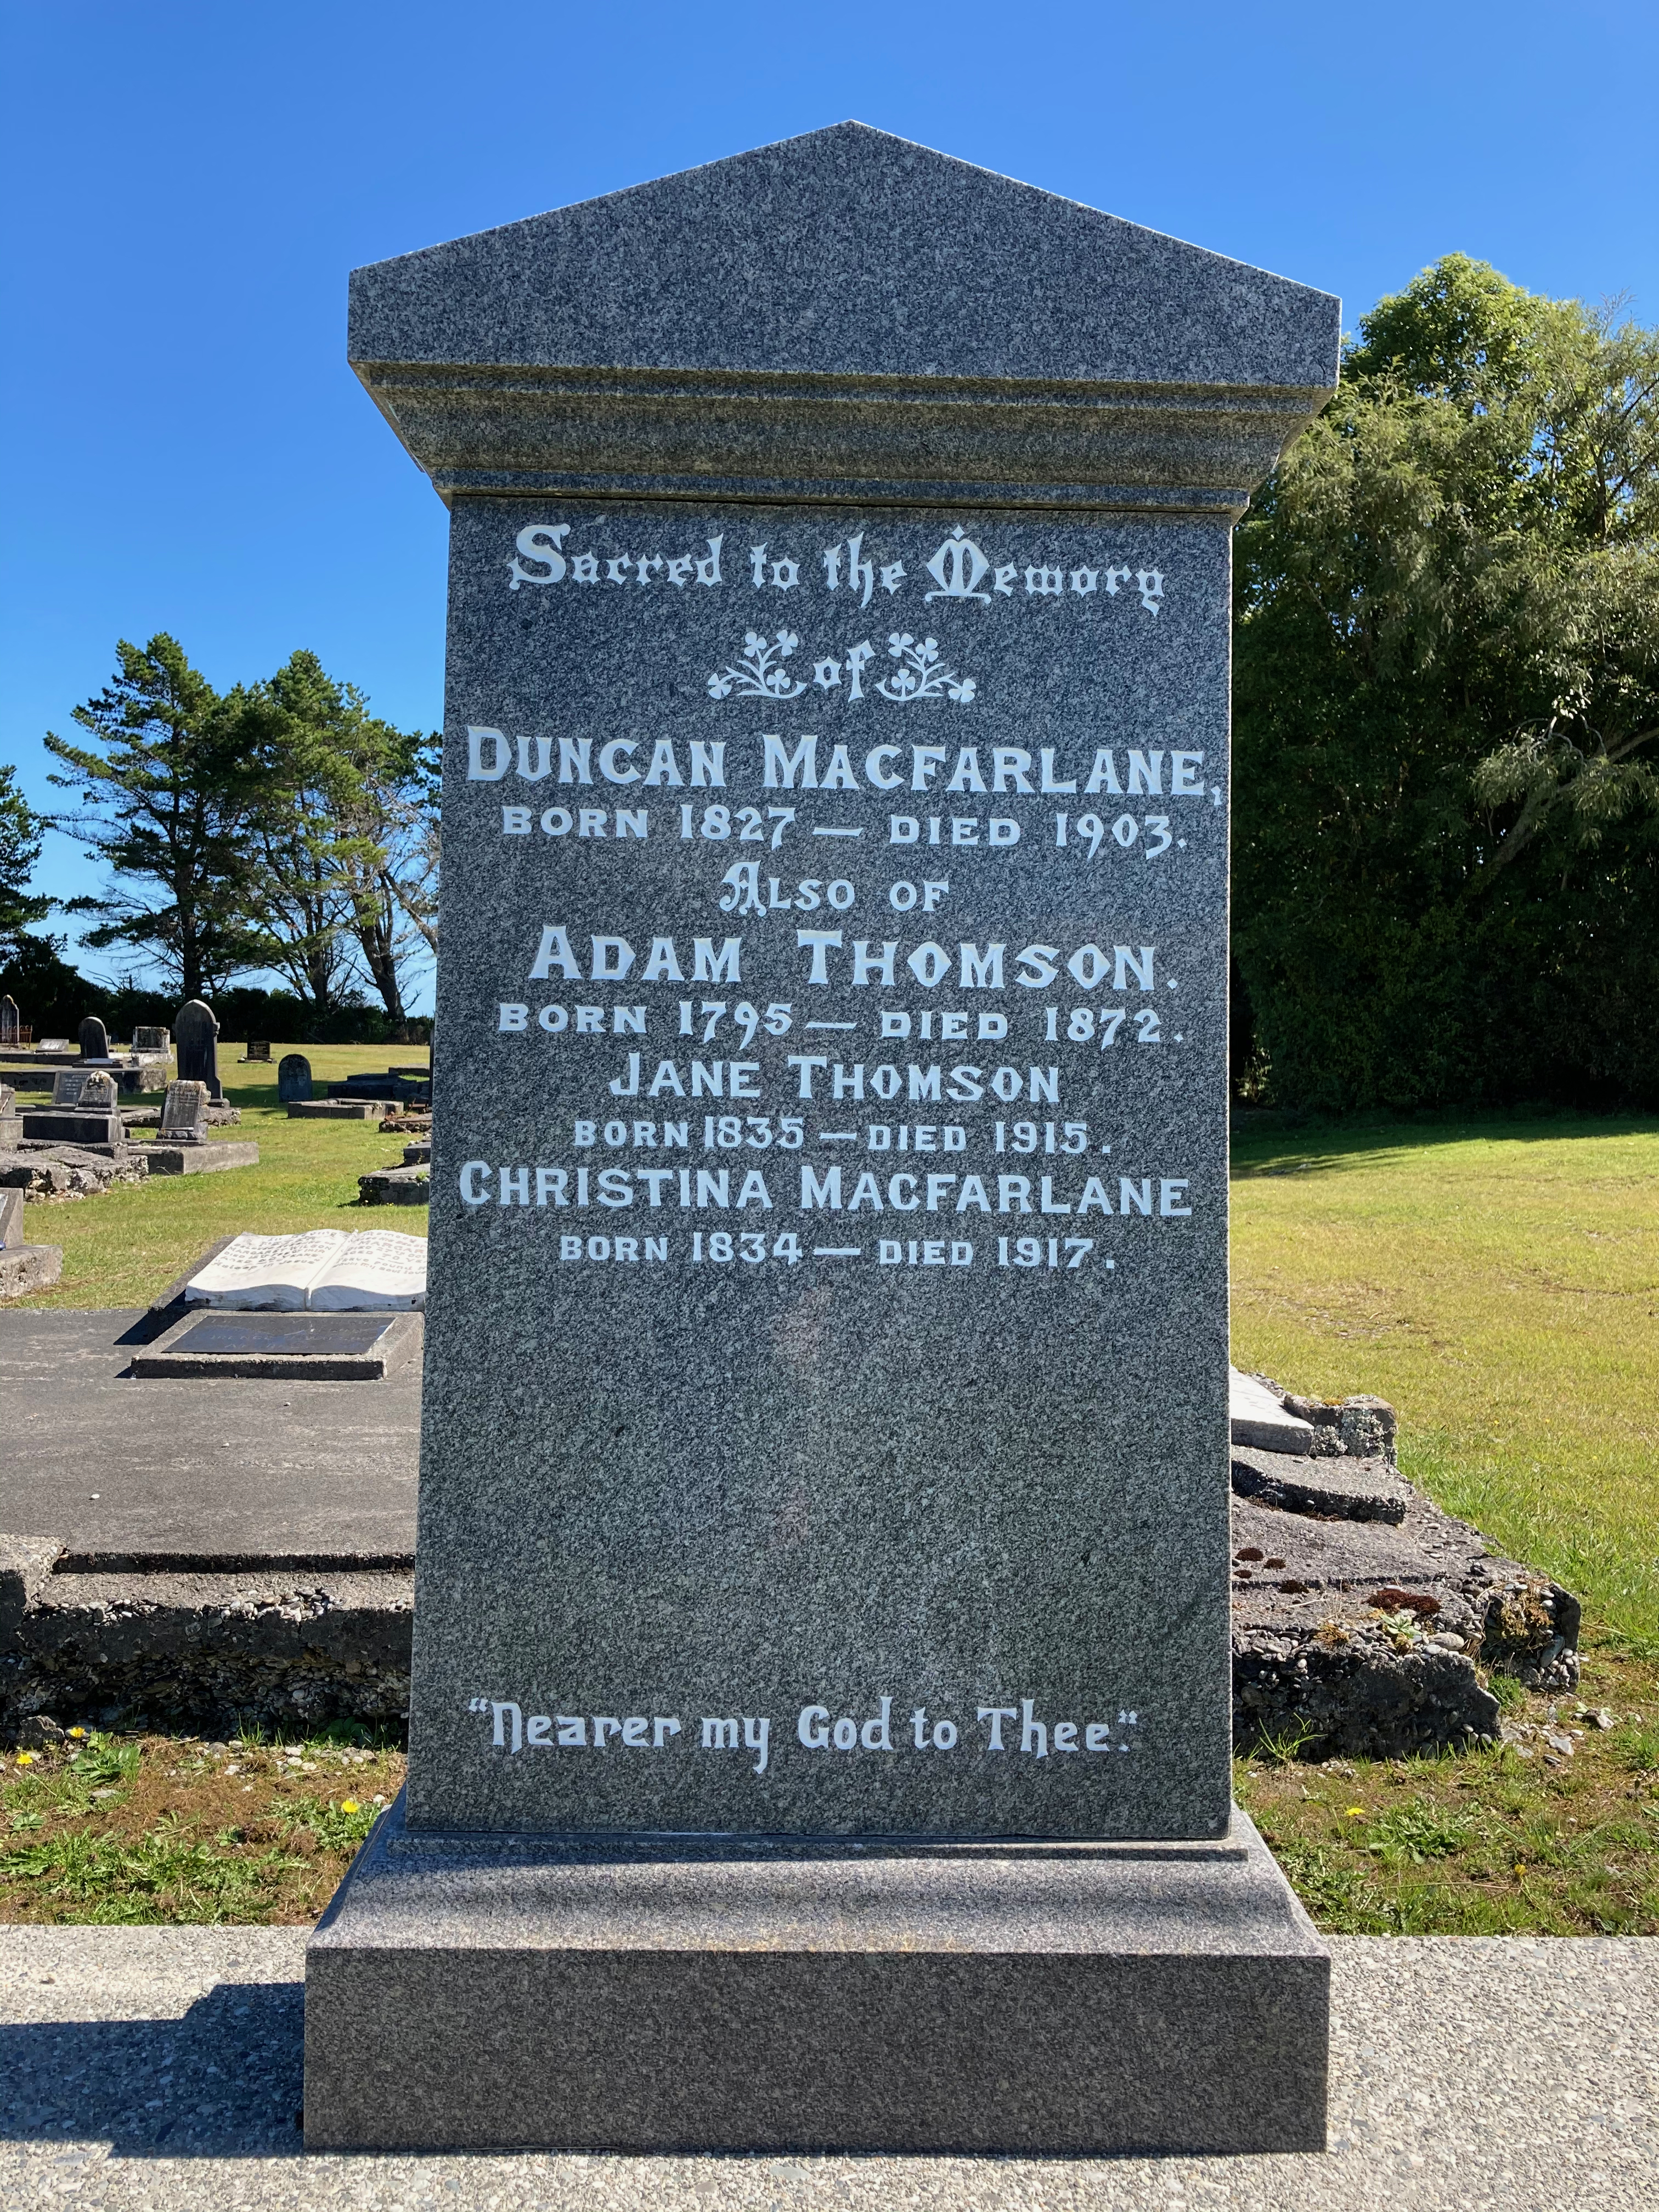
(293, 1079)
(93, 1039)
(196, 1030)
(820, 1721)
(10, 1025)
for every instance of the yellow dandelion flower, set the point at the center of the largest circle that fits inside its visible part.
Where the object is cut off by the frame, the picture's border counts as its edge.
(26, 1759)
(1356, 1812)
(75, 1731)
(349, 1805)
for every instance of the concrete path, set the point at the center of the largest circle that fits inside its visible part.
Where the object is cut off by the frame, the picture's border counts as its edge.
(159, 2068)
(181, 1471)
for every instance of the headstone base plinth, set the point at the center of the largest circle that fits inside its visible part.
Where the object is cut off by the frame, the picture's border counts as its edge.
(492, 1993)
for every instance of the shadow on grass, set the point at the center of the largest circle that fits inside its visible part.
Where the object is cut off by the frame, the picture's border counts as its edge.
(1274, 1144)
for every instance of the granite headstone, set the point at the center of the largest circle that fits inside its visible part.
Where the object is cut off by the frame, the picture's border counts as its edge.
(93, 1039)
(258, 1050)
(293, 1079)
(152, 1040)
(825, 1417)
(68, 1087)
(9, 1022)
(197, 1032)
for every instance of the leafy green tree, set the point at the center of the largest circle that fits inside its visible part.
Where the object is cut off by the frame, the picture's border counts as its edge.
(166, 790)
(21, 829)
(1447, 700)
(333, 868)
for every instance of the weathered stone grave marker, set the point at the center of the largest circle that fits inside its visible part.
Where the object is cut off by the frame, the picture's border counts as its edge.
(819, 1731)
(93, 1039)
(185, 1114)
(183, 1147)
(10, 1024)
(152, 1040)
(197, 1032)
(258, 1050)
(68, 1087)
(293, 1079)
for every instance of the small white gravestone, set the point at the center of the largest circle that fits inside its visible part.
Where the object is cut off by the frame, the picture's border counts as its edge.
(185, 1114)
(324, 1270)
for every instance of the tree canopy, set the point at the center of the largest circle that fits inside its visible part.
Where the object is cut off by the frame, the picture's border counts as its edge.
(278, 824)
(1446, 853)
(21, 829)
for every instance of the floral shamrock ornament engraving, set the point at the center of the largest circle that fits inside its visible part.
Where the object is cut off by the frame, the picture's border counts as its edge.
(762, 675)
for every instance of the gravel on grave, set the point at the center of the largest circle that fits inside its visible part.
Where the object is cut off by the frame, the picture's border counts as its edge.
(159, 2068)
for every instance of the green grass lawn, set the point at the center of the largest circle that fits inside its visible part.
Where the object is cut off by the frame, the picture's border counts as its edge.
(123, 1249)
(1498, 1281)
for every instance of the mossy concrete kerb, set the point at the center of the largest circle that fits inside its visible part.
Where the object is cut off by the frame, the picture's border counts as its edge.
(280, 1650)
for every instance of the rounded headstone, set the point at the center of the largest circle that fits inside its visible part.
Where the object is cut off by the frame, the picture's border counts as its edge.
(93, 1038)
(196, 1030)
(293, 1079)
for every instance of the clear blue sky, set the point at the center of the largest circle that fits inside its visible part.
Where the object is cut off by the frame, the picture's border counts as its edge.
(186, 185)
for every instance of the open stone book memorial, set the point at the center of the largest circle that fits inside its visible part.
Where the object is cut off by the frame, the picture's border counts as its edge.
(820, 1721)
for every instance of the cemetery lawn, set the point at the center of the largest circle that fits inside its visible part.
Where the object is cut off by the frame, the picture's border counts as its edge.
(1521, 1840)
(134, 1829)
(1496, 1279)
(1517, 1841)
(124, 1249)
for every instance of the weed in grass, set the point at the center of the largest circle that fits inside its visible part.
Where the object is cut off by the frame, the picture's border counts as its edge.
(1638, 1746)
(1417, 1832)
(193, 1832)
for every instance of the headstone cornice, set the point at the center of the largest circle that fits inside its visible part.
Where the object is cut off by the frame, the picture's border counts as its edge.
(640, 433)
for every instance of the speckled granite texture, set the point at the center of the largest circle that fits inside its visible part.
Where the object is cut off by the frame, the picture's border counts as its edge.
(824, 1427)
(795, 1997)
(837, 1423)
(157, 2069)
(841, 315)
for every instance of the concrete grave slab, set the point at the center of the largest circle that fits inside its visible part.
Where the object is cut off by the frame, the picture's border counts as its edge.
(409, 1185)
(336, 1109)
(1343, 1489)
(189, 1472)
(322, 1348)
(205, 1159)
(1259, 1418)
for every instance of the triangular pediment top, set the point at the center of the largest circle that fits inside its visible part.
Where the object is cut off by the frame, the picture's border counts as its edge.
(846, 251)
